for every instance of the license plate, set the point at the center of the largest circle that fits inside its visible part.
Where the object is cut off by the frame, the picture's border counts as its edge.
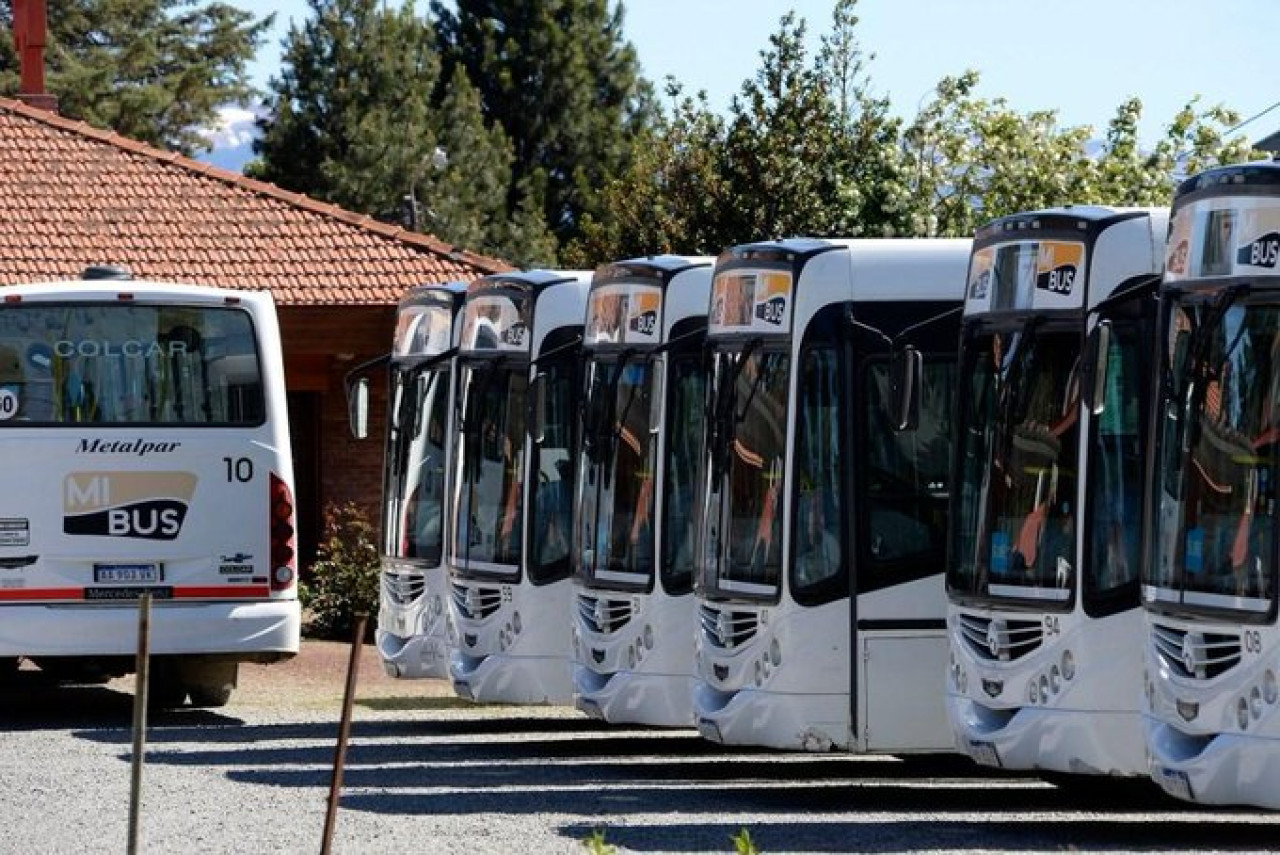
(127, 574)
(1175, 783)
(984, 753)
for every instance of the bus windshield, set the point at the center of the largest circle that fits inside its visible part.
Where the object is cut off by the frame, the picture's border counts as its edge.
(741, 538)
(414, 496)
(490, 454)
(616, 479)
(1014, 527)
(1217, 447)
(129, 364)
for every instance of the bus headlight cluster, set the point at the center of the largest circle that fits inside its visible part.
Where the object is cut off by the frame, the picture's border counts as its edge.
(768, 660)
(1046, 685)
(642, 645)
(959, 678)
(507, 637)
(1252, 705)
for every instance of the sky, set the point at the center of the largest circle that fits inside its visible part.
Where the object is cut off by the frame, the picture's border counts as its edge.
(1079, 57)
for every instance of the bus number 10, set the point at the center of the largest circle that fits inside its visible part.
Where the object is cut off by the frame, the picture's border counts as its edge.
(239, 469)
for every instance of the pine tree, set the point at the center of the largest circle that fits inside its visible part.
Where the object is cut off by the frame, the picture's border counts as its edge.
(353, 120)
(565, 86)
(152, 70)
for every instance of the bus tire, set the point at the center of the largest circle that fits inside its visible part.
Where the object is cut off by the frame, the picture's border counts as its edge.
(165, 690)
(211, 683)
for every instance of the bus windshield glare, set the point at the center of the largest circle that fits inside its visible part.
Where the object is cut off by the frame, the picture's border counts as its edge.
(615, 480)
(741, 549)
(490, 454)
(129, 364)
(414, 495)
(1217, 450)
(1015, 526)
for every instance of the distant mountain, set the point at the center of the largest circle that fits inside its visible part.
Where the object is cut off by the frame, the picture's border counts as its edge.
(231, 140)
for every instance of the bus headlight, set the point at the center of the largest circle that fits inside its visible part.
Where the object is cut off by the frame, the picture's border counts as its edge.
(759, 679)
(1255, 702)
(647, 636)
(516, 623)
(1068, 665)
(1033, 693)
(1242, 713)
(1269, 689)
(1044, 688)
(775, 653)
(1055, 679)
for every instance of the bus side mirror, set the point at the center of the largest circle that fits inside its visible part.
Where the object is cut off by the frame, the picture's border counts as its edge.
(538, 404)
(358, 407)
(905, 372)
(656, 394)
(1096, 354)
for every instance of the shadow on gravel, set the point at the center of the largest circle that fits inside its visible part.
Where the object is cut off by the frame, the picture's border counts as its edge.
(31, 700)
(940, 835)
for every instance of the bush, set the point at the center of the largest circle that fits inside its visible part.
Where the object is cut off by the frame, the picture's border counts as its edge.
(345, 579)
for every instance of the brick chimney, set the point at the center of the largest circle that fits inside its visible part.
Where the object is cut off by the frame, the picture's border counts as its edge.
(30, 34)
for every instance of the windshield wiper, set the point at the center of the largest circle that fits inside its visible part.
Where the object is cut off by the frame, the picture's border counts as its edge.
(721, 425)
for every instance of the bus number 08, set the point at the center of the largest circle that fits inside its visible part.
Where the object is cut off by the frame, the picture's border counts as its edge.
(239, 469)
(1252, 641)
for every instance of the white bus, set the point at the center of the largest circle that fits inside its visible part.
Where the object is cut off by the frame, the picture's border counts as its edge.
(823, 525)
(145, 439)
(633, 534)
(1209, 586)
(1045, 623)
(511, 509)
(412, 635)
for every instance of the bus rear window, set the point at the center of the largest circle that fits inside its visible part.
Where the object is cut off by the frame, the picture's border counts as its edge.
(122, 364)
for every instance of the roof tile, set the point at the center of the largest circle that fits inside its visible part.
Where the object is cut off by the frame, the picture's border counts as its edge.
(72, 195)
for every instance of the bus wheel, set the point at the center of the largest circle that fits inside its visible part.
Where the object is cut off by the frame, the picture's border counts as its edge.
(165, 690)
(211, 683)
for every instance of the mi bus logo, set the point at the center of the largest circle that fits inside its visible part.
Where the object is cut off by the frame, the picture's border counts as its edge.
(142, 505)
(1263, 252)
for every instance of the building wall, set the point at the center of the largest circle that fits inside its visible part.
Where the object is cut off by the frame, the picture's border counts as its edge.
(321, 344)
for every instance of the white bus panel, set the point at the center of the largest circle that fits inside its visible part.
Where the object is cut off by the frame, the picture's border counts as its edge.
(146, 425)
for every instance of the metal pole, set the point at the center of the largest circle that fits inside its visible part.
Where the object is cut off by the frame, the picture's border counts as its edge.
(143, 669)
(344, 733)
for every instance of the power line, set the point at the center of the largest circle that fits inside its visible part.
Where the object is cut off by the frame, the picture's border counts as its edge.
(1232, 130)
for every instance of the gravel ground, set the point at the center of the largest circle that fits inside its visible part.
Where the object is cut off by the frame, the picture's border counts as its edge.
(426, 772)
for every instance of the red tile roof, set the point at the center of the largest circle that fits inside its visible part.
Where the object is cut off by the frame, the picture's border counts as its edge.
(72, 195)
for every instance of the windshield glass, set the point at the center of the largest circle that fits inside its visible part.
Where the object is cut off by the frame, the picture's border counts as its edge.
(741, 545)
(413, 498)
(490, 454)
(125, 364)
(1014, 526)
(1218, 450)
(615, 484)
(686, 394)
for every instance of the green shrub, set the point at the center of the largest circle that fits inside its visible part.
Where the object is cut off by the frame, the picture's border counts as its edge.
(345, 578)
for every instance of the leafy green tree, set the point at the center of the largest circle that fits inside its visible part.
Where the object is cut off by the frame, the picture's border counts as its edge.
(670, 197)
(152, 70)
(565, 86)
(971, 159)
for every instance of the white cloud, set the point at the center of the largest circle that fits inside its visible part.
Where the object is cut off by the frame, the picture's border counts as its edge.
(231, 138)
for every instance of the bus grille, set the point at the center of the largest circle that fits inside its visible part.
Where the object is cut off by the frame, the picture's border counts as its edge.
(476, 603)
(1000, 639)
(403, 588)
(727, 629)
(603, 615)
(1197, 655)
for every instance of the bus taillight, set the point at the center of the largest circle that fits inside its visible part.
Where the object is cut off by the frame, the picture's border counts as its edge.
(283, 554)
